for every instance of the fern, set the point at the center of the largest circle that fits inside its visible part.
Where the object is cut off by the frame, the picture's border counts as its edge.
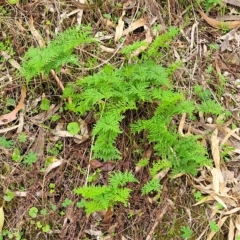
(152, 185)
(120, 179)
(162, 41)
(210, 106)
(98, 198)
(57, 53)
(183, 154)
(111, 93)
(158, 166)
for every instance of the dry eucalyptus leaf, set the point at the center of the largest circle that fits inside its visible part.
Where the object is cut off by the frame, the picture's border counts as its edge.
(53, 165)
(231, 230)
(233, 2)
(43, 116)
(218, 24)
(35, 33)
(1, 218)
(147, 40)
(119, 28)
(215, 148)
(234, 210)
(137, 24)
(9, 117)
(215, 180)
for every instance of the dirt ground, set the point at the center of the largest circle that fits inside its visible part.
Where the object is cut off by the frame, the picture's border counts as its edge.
(205, 206)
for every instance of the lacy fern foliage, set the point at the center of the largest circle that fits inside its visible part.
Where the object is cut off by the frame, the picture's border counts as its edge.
(110, 94)
(57, 53)
(98, 198)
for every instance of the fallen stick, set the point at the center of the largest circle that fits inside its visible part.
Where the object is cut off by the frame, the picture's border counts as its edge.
(166, 205)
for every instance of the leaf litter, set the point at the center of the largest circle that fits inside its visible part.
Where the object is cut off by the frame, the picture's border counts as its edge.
(218, 184)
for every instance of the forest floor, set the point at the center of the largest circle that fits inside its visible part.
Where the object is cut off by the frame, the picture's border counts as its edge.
(41, 163)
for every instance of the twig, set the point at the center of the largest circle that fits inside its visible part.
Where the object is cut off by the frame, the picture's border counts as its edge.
(168, 204)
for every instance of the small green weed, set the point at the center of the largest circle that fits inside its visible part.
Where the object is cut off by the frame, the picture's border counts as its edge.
(16, 155)
(6, 234)
(198, 196)
(209, 4)
(6, 143)
(213, 226)
(73, 128)
(67, 202)
(22, 138)
(187, 232)
(52, 187)
(9, 196)
(30, 158)
(45, 104)
(33, 212)
(143, 162)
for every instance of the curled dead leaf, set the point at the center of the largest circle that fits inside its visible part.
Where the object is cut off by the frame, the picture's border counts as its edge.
(219, 24)
(56, 163)
(9, 117)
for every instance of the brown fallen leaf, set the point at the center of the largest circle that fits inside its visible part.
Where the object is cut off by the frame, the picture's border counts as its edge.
(94, 164)
(119, 28)
(108, 166)
(43, 116)
(1, 218)
(35, 33)
(56, 163)
(218, 24)
(135, 25)
(233, 2)
(9, 117)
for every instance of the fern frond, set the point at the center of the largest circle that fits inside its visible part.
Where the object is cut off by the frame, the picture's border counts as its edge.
(120, 195)
(158, 166)
(152, 185)
(91, 191)
(120, 179)
(58, 52)
(210, 106)
(93, 206)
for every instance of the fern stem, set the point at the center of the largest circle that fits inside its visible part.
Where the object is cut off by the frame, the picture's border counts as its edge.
(90, 158)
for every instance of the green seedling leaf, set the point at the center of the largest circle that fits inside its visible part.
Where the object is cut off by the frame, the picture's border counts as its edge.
(6, 143)
(54, 207)
(9, 196)
(213, 226)
(73, 128)
(39, 225)
(10, 102)
(16, 155)
(45, 104)
(30, 158)
(153, 185)
(107, 15)
(187, 232)
(1, 218)
(33, 211)
(81, 204)
(43, 211)
(198, 196)
(46, 228)
(67, 202)
(22, 138)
